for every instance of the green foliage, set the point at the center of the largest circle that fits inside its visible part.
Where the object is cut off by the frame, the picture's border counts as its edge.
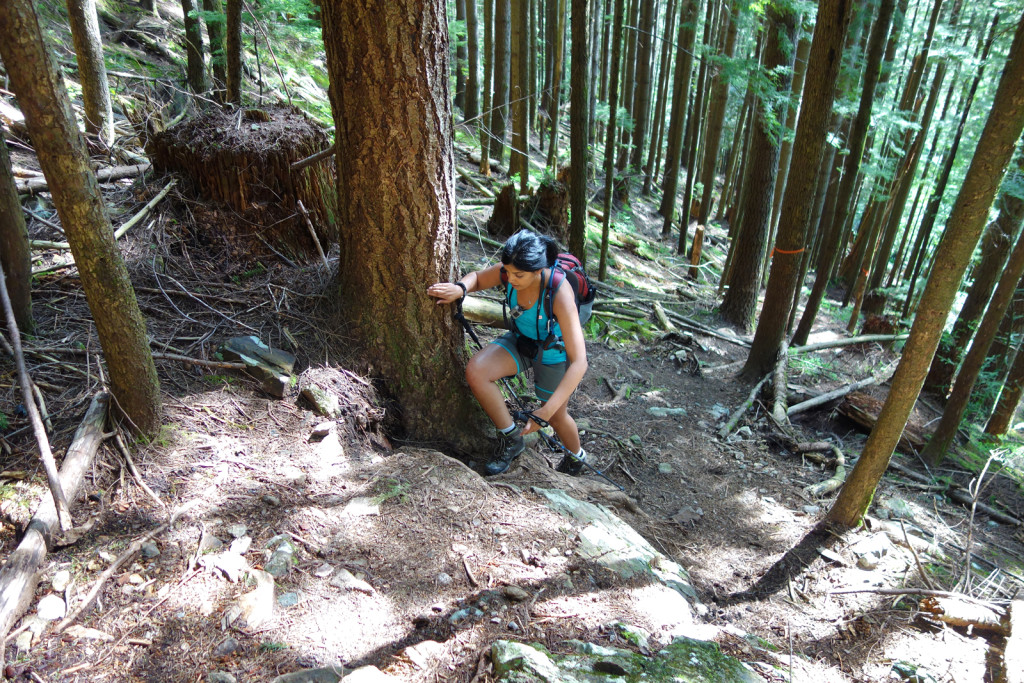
(389, 488)
(4, 422)
(813, 366)
(273, 646)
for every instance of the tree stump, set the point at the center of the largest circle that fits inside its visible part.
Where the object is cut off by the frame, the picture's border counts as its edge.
(240, 162)
(504, 220)
(548, 209)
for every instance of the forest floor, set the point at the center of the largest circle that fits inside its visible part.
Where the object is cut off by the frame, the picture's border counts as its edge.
(424, 537)
(407, 559)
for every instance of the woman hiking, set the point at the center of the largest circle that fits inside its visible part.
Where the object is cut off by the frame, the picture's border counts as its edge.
(556, 352)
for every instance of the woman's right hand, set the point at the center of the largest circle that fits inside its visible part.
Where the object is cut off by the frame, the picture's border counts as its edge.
(445, 292)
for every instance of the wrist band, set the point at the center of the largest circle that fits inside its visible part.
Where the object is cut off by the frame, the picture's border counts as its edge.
(464, 290)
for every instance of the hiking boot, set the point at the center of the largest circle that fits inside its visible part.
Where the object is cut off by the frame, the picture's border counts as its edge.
(572, 464)
(509, 448)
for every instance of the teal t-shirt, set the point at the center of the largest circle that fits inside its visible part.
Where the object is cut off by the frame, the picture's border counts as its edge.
(533, 323)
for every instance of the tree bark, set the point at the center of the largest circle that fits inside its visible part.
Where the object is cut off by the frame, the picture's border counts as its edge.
(716, 117)
(1009, 398)
(92, 72)
(578, 123)
(389, 65)
(556, 84)
(502, 54)
(195, 73)
(214, 10)
(680, 101)
(460, 59)
(64, 160)
(762, 163)
(964, 226)
(15, 255)
(816, 108)
(658, 130)
(956, 406)
(233, 46)
(642, 82)
(472, 106)
(609, 149)
(485, 115)
(519, 93)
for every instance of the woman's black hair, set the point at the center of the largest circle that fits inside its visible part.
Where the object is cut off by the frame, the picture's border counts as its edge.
(527, 250)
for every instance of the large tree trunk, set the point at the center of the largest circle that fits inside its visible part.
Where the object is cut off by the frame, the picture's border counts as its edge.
(658, 130)
(215, 19)
(389, 66)
(956, 406)
(92, 72)
(816, 108)
(62, 154)
(1009, 398)
(579, 150)
(233, 46)
(15, 255)
(195, 74)
(762, 164)
(964, 226)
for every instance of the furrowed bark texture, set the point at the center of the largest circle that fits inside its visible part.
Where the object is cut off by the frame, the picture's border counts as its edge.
(390, 95)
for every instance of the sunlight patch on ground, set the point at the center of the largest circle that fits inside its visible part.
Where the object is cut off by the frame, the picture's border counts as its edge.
(824, 336)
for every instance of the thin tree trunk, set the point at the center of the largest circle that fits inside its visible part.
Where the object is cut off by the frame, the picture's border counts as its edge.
(965, 223)
(1009, 398)
(995, 251)
(233, 27)
(195, 73)
(822, 71)
(579, 149)
(642, 82)
(472, 105)
(628, 70)
(609, 150)
(556, 85)
(680, 101)
(85, 32)
(62, 154)
(935, 451)
(485, 115)
(716, 116)
(215, 22)
(519, 95)
(658, 130)
(499, 102)
(15, 255)
(932, 209)
(460, 59)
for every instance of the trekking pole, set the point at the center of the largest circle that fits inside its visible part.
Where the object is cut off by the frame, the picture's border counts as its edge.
(524, 414)
(555, 444)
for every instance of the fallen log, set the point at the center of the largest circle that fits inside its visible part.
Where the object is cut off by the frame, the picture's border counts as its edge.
(20, 573)
(738, 413)
(834, 394)
(864, 410)
(956, 612)
(103, 175)
(832, 483)
(483, 311)
(835, 343)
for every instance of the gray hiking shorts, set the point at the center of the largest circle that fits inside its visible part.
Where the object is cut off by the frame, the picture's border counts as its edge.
(545, 377)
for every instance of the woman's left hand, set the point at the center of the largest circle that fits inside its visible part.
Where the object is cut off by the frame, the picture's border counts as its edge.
(532, 426)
